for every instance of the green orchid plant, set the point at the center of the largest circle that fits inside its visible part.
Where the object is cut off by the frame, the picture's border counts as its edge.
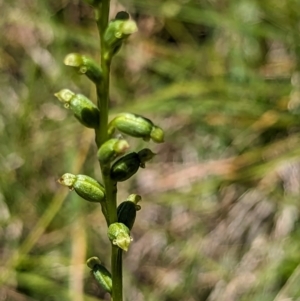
(119, 219)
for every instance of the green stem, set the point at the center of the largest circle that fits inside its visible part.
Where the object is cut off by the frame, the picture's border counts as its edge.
(103, 87)
(102, 136)
(103, 105)
(117, 274)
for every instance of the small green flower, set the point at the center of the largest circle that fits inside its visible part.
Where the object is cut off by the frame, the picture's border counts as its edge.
(125, 167)
(126, 211)
(117, 31)
(84, 109)
(128, 165)
(84, 65)
(111, 149)
(136, 126)
(85, 186)
(119, 235)
(101, 274)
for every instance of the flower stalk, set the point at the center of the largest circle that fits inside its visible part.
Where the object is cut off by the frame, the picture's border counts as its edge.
(119, 220)
(101, 138)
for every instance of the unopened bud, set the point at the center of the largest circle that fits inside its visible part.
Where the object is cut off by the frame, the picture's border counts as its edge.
(126, 211)
(84, 109)
(84, 65)
(136, 126)
(85, 186)
(125, 167)
(119, 235)
(117, 31)
(101, 274)
(111, 149)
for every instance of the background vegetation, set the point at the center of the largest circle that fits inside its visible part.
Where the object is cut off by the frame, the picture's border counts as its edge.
(220, 209)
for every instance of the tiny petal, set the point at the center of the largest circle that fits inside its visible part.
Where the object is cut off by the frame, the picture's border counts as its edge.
(92, 262)
(145, 155)
(157, 134)
(67, 179)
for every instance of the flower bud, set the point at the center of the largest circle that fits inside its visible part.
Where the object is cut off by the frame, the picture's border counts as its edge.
(117, 31)
(136, 126)
(122, 15)
(111, 149)
(84, 65)
(126, 211)
(125, 167)
(119, 235)
(86, 187)
(101, 274)
(84, 109)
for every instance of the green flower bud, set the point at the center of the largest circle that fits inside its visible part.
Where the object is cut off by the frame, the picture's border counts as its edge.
(125, 167)
(84, 65)
(117, 31)
(136, 126)
(119, 235)
(145, 155)
(84, 109)
(126, 211)
(111, 149)
(101, 274)
(86, 187)
(132, 124)
(122, 15)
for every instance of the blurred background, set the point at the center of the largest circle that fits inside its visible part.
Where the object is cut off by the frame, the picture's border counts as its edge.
(220, 209)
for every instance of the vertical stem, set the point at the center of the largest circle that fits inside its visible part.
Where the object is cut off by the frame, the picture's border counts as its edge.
(103, 105)
(102, 136)
(103, 87)
(117, 274)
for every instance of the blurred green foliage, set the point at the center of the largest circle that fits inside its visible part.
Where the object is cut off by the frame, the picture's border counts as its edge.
(220, 210)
